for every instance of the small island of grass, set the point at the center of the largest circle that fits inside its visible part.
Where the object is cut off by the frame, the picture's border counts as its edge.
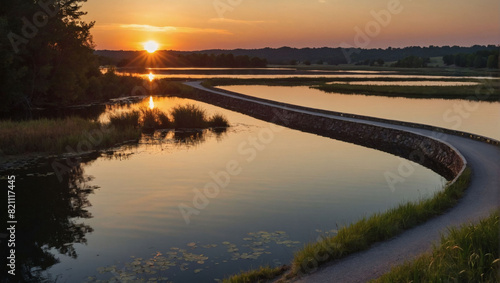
(57, 135)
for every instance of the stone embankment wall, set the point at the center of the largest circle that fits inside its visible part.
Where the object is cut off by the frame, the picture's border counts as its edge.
(429, 152)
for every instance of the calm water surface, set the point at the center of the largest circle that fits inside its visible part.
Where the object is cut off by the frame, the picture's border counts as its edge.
(273, 73)
(117, 214)
(409, 83)
(469, 116)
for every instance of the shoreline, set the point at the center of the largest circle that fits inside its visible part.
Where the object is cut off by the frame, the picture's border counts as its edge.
(409, 126)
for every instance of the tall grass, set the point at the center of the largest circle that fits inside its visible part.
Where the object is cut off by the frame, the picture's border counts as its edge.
(55, 135)
(186, 116)
(125, 120)
(189, 116)
(379, 227)
(468, 254)
(218, 121)
(154, 119)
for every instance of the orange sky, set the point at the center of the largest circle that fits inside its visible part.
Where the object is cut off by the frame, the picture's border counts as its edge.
(228, 24)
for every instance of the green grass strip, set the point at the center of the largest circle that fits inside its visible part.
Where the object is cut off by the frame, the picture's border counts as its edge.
(379, 227)
(468, 254)
(487, 91)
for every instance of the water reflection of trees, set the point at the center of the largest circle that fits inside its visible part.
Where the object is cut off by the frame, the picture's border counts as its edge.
(49, 215)
(182, 138)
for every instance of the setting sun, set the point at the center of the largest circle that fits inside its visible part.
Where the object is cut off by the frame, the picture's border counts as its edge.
(151, 46)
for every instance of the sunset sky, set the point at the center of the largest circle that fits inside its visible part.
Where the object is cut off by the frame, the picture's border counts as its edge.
(210, 24)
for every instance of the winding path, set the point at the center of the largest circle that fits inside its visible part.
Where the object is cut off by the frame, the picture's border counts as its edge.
(480, 199)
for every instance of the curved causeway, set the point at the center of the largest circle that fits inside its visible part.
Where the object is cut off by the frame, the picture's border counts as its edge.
(444, 151)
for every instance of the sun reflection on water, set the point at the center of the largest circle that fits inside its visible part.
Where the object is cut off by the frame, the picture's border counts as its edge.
(151, 103)
(151, 76)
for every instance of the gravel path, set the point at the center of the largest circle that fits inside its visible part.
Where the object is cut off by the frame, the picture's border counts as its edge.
(480, 199)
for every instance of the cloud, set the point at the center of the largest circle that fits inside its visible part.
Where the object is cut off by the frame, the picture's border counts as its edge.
(233, 21)
(172, 29)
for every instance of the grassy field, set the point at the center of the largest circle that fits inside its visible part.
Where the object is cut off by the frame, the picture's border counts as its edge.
(55, 135)
(366, 232)
(484, 93)
(468, 254)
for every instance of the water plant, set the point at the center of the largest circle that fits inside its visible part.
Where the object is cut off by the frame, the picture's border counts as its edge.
(125, 120)
(152, 119)
(189, 116)
(218, 121)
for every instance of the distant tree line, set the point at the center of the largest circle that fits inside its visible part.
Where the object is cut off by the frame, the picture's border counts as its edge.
(394, 54)
(166, 59)
(368, 62)
(479, 59)
(412, 62)
(325, 55)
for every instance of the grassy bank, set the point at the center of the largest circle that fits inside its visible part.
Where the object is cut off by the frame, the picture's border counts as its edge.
(55, 135)
(368, 231)
(484, 92)
(468, 254)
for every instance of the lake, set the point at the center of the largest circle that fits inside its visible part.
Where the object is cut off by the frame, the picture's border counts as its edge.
(141, 212)
(274, 73)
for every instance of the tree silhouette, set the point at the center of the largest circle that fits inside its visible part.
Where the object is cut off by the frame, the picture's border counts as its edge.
(49, 214)
(46, 53)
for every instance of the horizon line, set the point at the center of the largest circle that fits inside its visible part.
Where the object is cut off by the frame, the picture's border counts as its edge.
(285, 46)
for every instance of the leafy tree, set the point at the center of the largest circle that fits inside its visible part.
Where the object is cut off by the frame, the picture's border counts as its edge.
(479, 59)
(48, 51)
(412, 62)
(492, 61)
(478, 62)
